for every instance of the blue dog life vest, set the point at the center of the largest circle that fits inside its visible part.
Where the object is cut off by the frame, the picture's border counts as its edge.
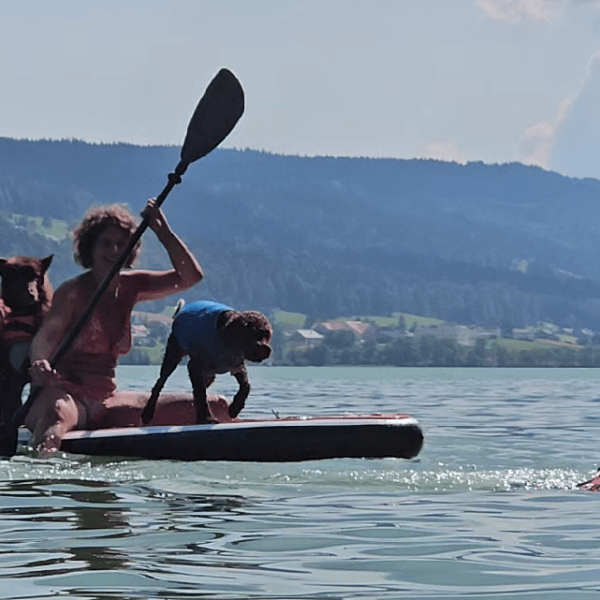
(195, 327)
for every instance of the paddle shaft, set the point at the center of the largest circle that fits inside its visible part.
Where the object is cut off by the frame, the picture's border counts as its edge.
(65, 346)
(218, 111)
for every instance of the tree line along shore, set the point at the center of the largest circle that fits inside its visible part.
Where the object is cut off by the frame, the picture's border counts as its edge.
(397, 340)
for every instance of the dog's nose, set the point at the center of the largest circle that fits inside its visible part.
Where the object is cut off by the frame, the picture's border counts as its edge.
(261, 353)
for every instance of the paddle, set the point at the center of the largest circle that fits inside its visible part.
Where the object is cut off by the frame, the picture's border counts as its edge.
(218, 111)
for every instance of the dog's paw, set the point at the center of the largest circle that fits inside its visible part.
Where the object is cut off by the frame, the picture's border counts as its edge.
(147, 415)
(233, 411)
(205, 417)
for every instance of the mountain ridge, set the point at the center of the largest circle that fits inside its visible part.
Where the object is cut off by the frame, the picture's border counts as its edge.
(332, 236)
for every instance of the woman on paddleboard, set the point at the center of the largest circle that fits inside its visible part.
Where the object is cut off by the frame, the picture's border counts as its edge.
(81, 392)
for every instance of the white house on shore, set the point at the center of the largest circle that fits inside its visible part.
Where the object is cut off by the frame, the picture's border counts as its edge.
(307, 337)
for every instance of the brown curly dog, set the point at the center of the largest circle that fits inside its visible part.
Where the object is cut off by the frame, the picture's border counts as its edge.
(218, 340)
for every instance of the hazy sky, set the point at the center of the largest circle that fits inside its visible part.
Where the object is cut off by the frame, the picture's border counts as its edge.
(490, 80)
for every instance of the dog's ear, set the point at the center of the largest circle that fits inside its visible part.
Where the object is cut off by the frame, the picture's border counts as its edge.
(46, 263)
(230, 319)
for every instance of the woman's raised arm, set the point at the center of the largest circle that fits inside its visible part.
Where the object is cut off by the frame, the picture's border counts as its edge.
(186, 271)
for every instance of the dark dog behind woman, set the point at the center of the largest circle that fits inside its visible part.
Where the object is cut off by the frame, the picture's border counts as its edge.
(81, 393)
(25, 299)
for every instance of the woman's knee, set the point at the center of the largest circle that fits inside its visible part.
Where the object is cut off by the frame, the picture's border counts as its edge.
(64, 410)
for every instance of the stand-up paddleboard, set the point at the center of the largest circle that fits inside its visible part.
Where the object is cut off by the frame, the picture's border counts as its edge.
(263, 440)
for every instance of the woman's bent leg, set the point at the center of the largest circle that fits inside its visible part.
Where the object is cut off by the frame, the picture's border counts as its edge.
(53, 414)
(124, 409)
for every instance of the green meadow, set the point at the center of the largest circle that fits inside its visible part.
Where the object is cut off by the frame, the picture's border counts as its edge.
(53, 228)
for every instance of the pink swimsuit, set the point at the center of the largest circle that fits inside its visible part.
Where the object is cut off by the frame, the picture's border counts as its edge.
(93, 339)
(89, 366)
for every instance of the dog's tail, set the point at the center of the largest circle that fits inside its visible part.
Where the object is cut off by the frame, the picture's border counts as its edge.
(180, 305)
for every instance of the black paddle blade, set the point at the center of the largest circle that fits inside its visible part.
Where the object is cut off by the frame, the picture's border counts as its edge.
(215, 116)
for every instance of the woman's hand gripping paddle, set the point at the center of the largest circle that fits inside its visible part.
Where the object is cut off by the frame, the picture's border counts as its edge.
(219, 109)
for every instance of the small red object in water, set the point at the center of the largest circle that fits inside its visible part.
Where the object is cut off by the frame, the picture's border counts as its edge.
(591, 485)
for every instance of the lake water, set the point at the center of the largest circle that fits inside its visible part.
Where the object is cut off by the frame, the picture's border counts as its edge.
(489, 509)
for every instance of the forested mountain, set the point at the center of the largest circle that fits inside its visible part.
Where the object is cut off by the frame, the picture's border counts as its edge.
(484, 244)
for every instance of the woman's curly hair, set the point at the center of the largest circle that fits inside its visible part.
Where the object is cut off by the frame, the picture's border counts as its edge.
(94, 222)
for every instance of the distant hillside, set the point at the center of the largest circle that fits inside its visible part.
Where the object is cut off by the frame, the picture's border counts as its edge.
(485, 244)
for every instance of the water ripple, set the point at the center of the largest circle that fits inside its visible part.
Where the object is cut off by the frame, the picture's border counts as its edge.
(489, 510)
